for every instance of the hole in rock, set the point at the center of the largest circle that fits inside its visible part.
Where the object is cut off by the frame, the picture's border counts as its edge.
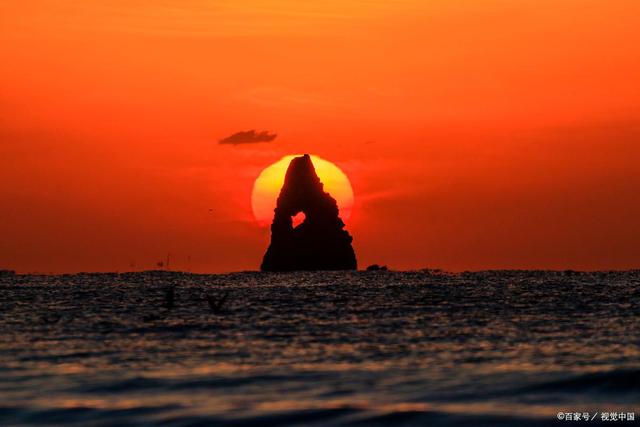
(298, 219)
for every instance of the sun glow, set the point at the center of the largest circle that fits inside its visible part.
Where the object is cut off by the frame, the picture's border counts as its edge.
(268, 184)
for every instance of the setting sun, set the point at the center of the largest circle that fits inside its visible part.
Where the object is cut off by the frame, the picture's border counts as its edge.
(268, 184)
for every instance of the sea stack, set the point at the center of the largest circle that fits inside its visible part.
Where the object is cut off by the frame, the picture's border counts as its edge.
(320, 242)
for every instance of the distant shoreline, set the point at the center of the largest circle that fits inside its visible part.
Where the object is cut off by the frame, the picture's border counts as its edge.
(427, 271)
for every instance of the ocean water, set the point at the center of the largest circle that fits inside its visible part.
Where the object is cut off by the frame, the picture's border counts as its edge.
(497, 348)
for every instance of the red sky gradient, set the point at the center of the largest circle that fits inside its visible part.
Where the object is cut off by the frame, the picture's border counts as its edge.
(476, 133)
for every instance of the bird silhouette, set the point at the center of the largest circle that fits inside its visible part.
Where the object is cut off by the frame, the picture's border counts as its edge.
(216, 304)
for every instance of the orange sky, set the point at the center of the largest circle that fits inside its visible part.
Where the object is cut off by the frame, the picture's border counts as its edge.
(476, 133)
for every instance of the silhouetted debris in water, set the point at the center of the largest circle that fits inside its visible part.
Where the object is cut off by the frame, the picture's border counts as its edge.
(169, 298)
(216, 304)
(320, 242)
(51, 318)
(152, 317)
(376, 267)
(435, 272)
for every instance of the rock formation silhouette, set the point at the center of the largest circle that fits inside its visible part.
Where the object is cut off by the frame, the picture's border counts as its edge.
(320, 241)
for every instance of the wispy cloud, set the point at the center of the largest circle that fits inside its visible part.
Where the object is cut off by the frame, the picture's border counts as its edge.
(248, 137)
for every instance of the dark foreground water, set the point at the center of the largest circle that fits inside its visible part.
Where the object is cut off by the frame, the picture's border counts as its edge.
(354, 349)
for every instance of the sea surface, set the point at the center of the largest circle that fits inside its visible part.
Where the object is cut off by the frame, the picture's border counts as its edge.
(423, 348)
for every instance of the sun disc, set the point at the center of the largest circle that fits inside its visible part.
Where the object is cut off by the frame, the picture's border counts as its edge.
(268, 184)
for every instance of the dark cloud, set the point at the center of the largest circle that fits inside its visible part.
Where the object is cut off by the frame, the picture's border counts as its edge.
(248, 137)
